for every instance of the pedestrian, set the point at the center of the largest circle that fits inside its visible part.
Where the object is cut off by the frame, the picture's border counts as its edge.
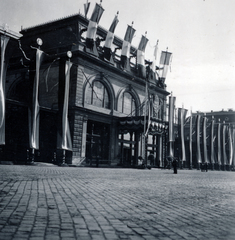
(174, 164)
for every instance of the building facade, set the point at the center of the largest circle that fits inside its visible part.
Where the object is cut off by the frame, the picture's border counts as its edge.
(110, 104)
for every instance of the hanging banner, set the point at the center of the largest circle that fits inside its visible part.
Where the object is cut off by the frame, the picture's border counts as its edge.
(126, 45)
(4, 42)
(199, 157)
(92, 27)
(181, 120)
(164, 64)
(230, 145)
(212, 140)
(171, 118)
(219, 143)
(66, 142)
(141, 57)
(190, 141)
(204, 122)
(233, 137)
(225, 159)
(109, 39)
(34, 121)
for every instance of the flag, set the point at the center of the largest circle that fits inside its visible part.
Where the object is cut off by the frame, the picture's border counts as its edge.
(141, 57)
(224, 144)
(199, 158)
(86, 8)
(212, 140)
(109, 39)
(204, 122)
(233, 163)
(66, 142)
(92, 28)
(230, 145)
(153, 65)
(190, 141)
(171, 118)
(219, 143)
(181, 120)
(4, 42)
(34, 121)
(126, 45)
(164, 64)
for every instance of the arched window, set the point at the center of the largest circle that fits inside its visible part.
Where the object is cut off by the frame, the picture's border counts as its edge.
(127, 104)
(97, 95)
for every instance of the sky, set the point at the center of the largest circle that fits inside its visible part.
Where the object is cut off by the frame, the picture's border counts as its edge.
(200, 35)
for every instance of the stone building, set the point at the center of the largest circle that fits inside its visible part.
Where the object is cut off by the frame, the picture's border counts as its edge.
(108, 109)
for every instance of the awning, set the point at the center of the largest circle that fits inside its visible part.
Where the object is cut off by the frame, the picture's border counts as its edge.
(130, 124)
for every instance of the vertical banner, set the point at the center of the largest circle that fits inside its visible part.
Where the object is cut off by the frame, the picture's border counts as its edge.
(212, 140)
(233, 137)
(204, 122)
(171, 125)
(153, 65)
(92, 28)
(219, 142)
(66, 142)
(171, 118)
(126, 45)
(181, 120)
(225, 160)
(109, 39)
(34, 121)
(230, 145)
(141, 57)
(164, 64)
(4, 42)
(190, 141)
(199, 157)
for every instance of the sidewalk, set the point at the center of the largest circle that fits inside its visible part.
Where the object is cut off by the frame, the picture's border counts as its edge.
(50, 202)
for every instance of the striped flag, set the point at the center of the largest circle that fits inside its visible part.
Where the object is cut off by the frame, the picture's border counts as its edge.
(212, 140)
(190, 141)
(4, 42)
(181, 120)
(153, 65)
(164, 64)
(109, 39)
(34, 121)
(126, 45)
(171, 118)
(230, 146)
(219, 143)
(92, 28)
(141, 57)
(66, 142)
(225, 160)
(233, 162)
(199, 157)
(86, 8)
(204, 122)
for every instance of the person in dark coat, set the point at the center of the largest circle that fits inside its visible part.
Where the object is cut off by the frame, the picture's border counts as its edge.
(175, 165)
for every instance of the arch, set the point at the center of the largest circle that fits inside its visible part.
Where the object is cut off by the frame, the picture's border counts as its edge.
(99, 78)
(134, 95)
(19, 90)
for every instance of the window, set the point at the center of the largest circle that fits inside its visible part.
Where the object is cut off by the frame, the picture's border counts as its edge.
(97, 95)
(126, 104)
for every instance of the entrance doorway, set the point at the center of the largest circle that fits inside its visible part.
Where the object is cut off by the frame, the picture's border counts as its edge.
(97, 143)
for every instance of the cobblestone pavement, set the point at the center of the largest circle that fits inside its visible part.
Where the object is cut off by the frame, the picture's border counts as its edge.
(51, 202)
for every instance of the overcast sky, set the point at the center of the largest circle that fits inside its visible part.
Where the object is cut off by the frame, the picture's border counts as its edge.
(199, 33)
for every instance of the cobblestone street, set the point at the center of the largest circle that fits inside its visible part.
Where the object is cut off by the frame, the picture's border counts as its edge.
(51, 202)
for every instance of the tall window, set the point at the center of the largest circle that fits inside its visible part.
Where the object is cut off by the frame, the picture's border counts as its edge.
(97, 95)
(127, 104)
